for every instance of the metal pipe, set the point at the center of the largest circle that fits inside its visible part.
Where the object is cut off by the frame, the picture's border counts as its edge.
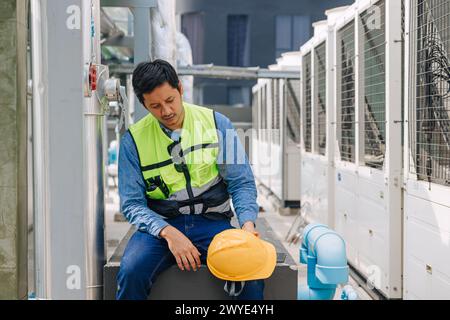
(40, 149)
(68, 161)
(93, 145)
(212, 71)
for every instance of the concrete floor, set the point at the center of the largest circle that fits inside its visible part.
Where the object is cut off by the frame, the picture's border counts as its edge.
(116, 230)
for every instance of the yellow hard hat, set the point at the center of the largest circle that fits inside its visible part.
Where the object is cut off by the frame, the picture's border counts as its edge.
(238, 255)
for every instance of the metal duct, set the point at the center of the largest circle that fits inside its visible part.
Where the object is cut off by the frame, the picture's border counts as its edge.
(68, 159)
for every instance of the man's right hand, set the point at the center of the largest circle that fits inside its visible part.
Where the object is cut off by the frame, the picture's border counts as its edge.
(185, 253)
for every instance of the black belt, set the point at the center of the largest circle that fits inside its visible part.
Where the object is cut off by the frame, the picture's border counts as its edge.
(213, 197)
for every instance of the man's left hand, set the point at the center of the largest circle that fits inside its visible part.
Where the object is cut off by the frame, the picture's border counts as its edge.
(250, 227)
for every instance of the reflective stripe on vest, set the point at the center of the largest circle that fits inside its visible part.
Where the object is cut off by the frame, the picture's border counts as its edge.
(182, 170)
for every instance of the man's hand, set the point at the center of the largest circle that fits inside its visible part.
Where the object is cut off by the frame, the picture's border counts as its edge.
(250, 227)
(185, 253)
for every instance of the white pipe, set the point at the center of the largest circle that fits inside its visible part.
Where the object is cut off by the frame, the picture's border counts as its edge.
(93, 149)
(184, 58)
(164, 31)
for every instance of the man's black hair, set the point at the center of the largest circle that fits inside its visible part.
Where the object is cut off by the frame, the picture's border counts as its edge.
(149, 75)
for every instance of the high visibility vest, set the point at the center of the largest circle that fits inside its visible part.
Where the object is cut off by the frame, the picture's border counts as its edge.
(182, 176)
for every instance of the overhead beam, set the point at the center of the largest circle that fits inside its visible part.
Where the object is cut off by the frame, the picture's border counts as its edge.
(129, 3)
(119, 41)
(221, 72)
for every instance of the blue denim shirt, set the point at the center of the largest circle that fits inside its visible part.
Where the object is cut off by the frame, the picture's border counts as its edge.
(235, 171)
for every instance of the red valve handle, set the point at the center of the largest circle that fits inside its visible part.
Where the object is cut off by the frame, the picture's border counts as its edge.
(93, 77)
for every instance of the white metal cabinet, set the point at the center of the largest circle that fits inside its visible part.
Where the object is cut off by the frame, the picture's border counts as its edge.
(427, 151)
(368, 145)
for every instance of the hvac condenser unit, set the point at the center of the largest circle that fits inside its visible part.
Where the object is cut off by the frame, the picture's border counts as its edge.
(261, 145)
(368, 158)
(256, 134)
(276, 118)
(313, 165)
(256, 92)
(285, 153)
(427, 151)
(317, 183)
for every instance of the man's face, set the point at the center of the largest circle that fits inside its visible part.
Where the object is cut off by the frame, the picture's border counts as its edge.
(165, 104)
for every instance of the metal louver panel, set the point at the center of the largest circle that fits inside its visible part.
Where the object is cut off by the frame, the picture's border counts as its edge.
(346, 38)
(264, 113)
(374, 84)
(308, 101)
(320, 93)
(275, 111)
(255, 112)
(432, 96)
(292, 103)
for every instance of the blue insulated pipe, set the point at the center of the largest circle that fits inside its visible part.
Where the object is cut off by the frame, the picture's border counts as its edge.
(323, 251)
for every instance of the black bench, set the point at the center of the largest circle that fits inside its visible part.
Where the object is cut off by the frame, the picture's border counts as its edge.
(174, 284)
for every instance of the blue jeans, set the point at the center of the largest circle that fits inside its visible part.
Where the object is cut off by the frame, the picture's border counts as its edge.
(146, 256)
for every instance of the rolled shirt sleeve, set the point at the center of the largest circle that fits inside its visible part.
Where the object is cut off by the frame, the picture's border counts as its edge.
(235, 169)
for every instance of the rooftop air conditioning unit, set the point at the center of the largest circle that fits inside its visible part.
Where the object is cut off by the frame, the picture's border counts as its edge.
(317, 172)
(427, 151)
(368, 152)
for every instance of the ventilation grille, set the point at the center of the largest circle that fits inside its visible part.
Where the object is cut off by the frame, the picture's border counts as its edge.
(320, 76)
(275, 111)
(432, 95)
(292, 100)
(308, 100)
(346, 38)
(374, 61)
(263, 113)
(255, 112)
